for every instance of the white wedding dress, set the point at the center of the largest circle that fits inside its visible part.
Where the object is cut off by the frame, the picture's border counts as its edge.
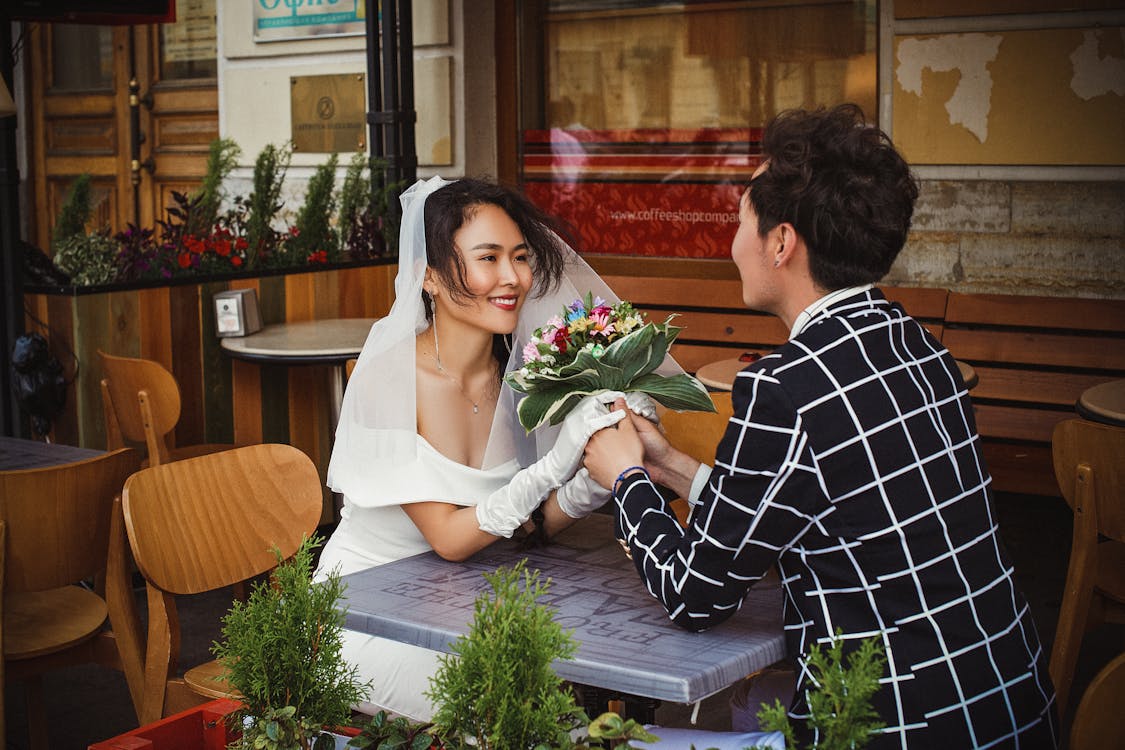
(375, 534)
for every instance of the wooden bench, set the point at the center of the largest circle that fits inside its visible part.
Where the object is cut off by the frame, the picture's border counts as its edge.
(1033, 355)
(717, 324)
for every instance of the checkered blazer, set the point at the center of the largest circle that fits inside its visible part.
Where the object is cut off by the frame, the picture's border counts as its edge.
(853, 463)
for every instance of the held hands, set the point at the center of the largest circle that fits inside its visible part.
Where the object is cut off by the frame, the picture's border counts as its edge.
(581, 496)
(510, 506)
(610, 451)
(591, 414)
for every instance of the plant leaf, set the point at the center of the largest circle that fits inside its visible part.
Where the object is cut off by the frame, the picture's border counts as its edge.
(679, 392)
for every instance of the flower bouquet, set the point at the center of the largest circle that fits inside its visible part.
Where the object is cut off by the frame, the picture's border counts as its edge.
(592, 347)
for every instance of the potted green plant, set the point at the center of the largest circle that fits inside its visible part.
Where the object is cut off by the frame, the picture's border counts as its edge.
(281, 650)
(498, 691)
(87, 257)
(840, 706)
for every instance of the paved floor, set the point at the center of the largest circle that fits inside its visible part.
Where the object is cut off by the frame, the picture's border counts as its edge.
(87, 704)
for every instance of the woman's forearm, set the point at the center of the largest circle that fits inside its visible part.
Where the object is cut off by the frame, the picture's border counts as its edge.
(452, 530)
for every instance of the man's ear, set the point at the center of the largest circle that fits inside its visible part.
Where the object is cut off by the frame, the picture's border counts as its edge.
(787, 240)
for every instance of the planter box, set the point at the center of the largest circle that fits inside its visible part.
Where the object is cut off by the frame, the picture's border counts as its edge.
(224, 401)
(201, 728)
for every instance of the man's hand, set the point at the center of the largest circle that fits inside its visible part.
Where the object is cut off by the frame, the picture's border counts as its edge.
(614, 449)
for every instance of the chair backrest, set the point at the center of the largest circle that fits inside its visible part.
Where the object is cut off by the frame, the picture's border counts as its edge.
(144, 400)
(203, 523)
(1079, 442)
(697, 433)
(56, 520)
(1097, 722)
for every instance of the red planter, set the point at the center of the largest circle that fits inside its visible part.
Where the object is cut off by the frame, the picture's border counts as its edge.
(201, 728)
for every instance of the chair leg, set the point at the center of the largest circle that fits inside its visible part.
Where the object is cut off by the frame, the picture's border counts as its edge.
(1080, 576)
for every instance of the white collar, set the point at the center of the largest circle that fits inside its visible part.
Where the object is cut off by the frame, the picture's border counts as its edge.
(805, 317)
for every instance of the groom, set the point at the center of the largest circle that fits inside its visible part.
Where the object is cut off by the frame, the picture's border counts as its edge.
(852, 462)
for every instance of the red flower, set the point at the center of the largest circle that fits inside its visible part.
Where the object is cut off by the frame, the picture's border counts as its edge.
(241, 244)
(562, 338)
(185, 260)
(222, 247)
(236, 261)
(319, 256)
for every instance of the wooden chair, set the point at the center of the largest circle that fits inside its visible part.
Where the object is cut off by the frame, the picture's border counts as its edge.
(1097, 722)
(1090, 467)
(141, 403)
(697, 434)
(349, 366)
(205, 523)
(54, 533)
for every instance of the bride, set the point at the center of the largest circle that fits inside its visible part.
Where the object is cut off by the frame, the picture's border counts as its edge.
(429, 452)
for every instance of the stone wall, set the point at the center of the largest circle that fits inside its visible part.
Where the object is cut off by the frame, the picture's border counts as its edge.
(1058, 239)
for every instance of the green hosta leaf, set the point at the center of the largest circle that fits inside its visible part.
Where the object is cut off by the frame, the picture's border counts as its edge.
(679, 392)
(631, 348)
(550, 406)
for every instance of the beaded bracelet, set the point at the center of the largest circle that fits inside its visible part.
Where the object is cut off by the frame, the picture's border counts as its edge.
(621, 476)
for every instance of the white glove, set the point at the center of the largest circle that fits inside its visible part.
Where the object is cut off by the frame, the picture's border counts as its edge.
(510, 506)
(642, 405)
(581, 496)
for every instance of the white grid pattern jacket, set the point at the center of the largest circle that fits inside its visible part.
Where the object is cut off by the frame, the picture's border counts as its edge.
(853, 463)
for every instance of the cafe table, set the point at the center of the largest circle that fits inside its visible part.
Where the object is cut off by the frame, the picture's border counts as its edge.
(626, 643)
(1104, 403)
(18, 454)
(330, 342)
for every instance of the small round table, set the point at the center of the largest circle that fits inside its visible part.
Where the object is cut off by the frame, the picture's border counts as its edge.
(1103, 403)
(719, 375)
(308, 342)
(968, 374)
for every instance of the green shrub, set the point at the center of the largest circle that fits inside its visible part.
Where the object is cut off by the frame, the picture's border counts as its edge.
(265, 201)
(74, 212)
(840, 701)
(282, 649)
(498, 690)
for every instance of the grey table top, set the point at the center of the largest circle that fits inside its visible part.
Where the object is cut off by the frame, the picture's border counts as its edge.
(626, 641)
(17, 453)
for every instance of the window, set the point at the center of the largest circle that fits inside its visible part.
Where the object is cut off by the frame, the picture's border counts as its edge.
(640, 120)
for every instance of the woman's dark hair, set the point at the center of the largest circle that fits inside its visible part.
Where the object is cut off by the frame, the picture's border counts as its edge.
(843, 186)
(448, 208)
(446, 211)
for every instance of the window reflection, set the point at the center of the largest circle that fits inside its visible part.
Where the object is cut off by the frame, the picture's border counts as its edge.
(641, 121)
(189, 47)
(81, 57)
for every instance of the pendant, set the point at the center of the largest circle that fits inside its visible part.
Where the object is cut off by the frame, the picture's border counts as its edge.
(475, 409)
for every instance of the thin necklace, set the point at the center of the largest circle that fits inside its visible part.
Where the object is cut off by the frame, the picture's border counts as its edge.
(455, 381)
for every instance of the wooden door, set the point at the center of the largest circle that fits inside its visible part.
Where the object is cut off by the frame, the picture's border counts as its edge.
(136, 107)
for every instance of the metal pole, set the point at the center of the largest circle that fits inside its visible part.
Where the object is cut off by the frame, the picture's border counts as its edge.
(374, 93)
(408, 158)
(11, 257)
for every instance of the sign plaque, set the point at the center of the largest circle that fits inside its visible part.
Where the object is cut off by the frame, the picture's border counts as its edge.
(328, 113)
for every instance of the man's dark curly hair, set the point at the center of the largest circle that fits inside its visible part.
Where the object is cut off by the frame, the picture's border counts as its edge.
(843, 186)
